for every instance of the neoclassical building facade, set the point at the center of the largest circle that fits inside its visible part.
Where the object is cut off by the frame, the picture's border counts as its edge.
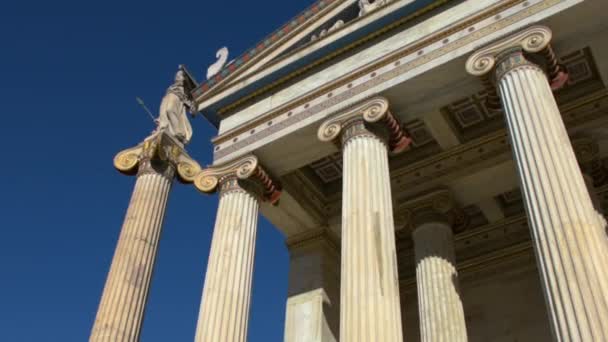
(438, 170)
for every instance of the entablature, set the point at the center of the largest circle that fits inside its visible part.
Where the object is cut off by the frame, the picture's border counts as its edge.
(456, 140)
(424, 51)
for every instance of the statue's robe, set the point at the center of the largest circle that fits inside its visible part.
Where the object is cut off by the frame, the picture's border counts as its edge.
(172, 118)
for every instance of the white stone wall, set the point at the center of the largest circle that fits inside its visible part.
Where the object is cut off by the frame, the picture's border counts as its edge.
(313, 304)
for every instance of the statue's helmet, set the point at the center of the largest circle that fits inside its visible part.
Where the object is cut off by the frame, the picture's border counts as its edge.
(180, 76)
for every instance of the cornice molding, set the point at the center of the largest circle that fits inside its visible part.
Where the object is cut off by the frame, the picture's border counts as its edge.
(253, 55)
(331, 56)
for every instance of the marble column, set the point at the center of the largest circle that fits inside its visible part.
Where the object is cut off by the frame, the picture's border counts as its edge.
(224, 311)
(370, 307)
(313, 304)
(439, 304)
(567, 237)
(121, 310)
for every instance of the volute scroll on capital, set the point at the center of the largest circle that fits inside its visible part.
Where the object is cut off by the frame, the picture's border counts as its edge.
(532, 40)
(513, 52)
(372, 111)
(161, 147)
(245, 168)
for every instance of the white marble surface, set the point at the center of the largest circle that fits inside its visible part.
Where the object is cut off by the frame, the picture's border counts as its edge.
(569, 242)
(439, 303)
(305, 320)
(370, 305)
(313, 306)
(224, 311)
(121, 310)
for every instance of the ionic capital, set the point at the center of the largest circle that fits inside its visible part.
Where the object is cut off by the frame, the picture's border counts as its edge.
(159, 147)
(373, 111)
(532, 40)
(233, 175)
(436, 206)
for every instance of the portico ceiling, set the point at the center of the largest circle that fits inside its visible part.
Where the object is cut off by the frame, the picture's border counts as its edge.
(475, 164)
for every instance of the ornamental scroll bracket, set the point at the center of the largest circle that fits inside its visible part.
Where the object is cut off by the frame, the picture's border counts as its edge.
(373, 111)
(245, 168)
(159, 146)
(533, 40)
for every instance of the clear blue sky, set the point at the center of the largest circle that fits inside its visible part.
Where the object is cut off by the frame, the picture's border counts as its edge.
(69, 73)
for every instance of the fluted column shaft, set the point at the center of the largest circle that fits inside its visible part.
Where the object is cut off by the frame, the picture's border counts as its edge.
(370, 306)
(224, 311)
(565, 229)
(440, 306)
(121, 310)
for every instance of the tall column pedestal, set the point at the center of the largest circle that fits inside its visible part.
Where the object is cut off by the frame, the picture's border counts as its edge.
(568, 239)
